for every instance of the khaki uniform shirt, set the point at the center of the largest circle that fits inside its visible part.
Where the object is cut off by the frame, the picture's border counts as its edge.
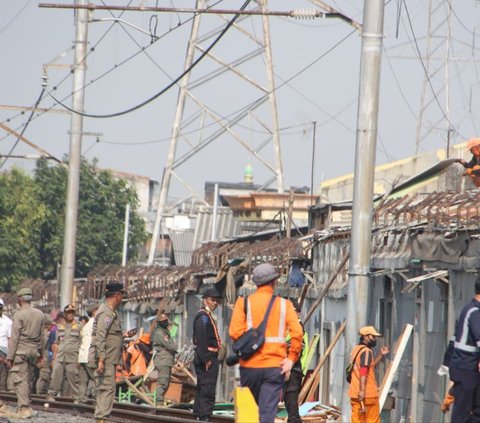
(68, 340)
(27, 333)
(107, 337)
(164, 347)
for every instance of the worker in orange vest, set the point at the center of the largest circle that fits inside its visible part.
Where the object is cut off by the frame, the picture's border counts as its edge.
(363, 392)
(264, 372)
(473, 166)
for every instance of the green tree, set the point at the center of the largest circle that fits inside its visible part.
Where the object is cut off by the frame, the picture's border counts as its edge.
(101, 214)
(22, 216)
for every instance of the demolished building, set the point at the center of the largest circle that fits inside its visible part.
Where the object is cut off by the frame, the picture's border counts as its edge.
(425, 259)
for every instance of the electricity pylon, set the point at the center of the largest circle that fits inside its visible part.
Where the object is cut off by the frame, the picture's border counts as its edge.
(197, 112)
(434, 119)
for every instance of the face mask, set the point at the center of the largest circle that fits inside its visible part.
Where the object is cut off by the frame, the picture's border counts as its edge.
(372, 343)
(163, 324)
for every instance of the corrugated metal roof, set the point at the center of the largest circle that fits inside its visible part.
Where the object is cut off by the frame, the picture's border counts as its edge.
(227, 225)
(182, 246)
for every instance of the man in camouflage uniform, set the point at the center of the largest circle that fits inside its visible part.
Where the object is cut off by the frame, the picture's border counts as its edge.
(25, 350)
(164, 355)
(106, 349)
(65, 360)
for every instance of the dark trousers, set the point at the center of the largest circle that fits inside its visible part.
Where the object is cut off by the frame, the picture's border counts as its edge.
(3, 376)
(292, 389)
(466, 391)
(266, 385)
(206, 385)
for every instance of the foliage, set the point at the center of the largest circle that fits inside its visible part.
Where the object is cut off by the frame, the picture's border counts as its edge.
(32, 221)
(21, 217)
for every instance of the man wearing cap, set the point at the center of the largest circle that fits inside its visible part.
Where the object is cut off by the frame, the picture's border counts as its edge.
(65, 356)
(264, 372)
(5, 330)
(164, 358)
(85, 371)
(473, 166)
(25, 349)
(106, 349)
(363, 391)
(207, 346)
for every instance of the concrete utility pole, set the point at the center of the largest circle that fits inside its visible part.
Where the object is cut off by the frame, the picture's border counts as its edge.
(76, 127)
(367, 123)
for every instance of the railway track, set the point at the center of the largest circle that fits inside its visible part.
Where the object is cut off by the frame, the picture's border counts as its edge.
(121, 411)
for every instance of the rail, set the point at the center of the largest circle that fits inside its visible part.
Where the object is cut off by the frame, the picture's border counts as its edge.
(123, 411)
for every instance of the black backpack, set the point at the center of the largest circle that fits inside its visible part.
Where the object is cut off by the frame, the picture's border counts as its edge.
(251, 341)
(349, 369)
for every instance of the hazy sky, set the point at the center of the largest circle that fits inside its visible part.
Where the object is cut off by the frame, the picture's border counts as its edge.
(318, 59)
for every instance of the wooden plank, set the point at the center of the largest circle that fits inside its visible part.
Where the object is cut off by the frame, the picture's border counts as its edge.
(183, 368)
(138, 392)
(393, 366)
(303, 293)
(308, 384)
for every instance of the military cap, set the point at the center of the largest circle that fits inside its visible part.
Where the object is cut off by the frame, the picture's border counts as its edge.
(24, 291)
(263, 274)
(69, 307)
(114, 287)
(212, 292)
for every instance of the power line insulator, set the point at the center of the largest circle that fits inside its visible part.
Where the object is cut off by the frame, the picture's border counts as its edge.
(306, 14)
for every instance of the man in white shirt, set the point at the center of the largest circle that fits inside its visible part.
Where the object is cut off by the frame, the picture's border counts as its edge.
(5, 329)
(85, 372)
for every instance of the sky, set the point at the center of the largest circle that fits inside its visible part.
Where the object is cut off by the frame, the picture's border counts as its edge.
(316, 74)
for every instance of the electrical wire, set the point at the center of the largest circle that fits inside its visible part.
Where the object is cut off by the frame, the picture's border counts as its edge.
(238, 111)
(7, 25)
(24, 128)
(460, 21)
(464, 94)
(397, 82)
(257, 101)
(115, 67)
(174, 82)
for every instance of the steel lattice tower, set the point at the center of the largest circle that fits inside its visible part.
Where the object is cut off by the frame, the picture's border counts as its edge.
(434, 112)
(196, 109)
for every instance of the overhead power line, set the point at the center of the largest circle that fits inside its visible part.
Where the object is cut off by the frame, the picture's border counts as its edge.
(170, 85)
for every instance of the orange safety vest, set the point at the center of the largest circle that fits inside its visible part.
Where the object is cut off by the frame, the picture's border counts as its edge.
(282, 318)
(363, 358)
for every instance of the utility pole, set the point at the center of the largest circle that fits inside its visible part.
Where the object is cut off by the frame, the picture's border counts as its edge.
(367, 124)
(76, 127)
(125, 236)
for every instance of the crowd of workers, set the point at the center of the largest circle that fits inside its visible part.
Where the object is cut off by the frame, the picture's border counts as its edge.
(82, 357)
